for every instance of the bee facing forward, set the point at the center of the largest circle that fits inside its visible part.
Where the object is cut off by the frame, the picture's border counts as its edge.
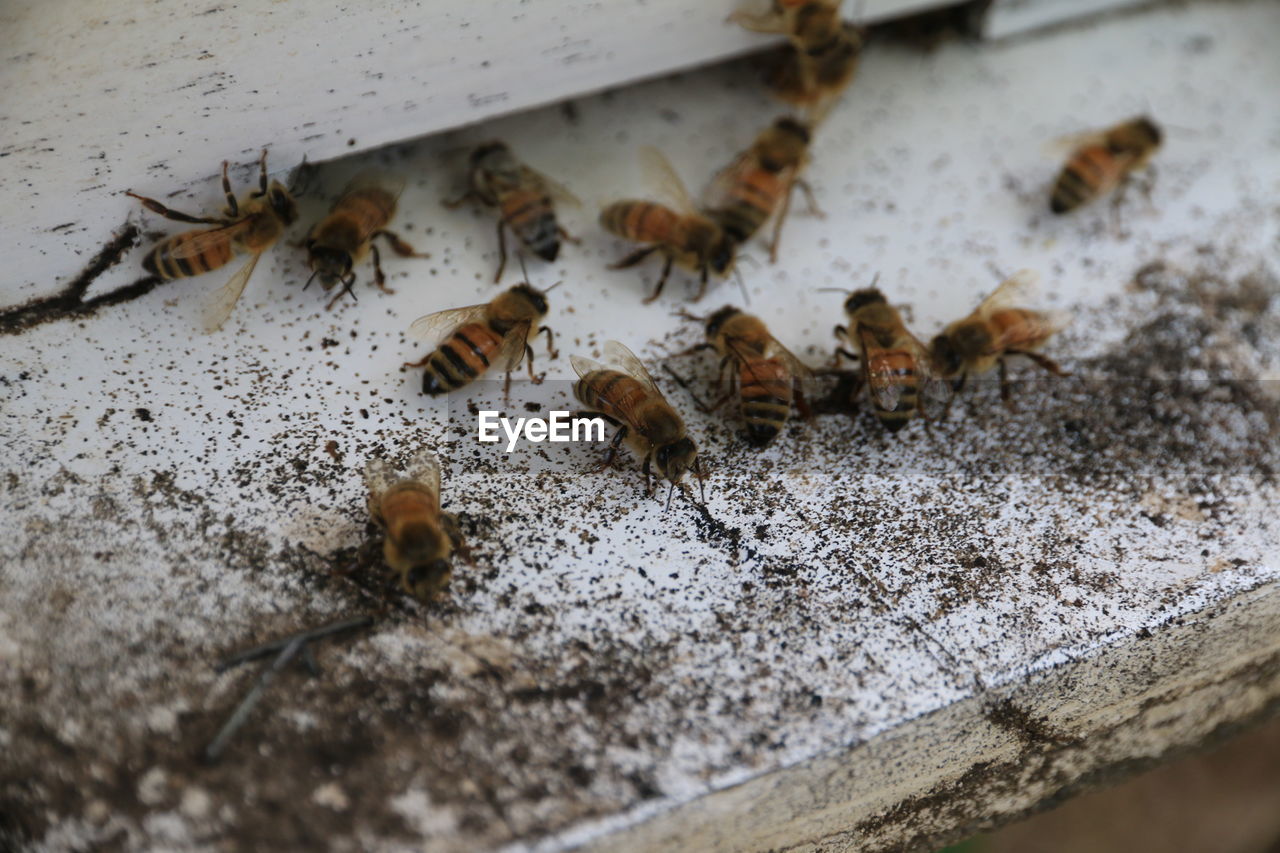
(995, 331)
(338, 242)
(421, 539)
(624, 394)
(822, 57)
(475, 338)
(749, 191)
(768, 378)
(684, 236)
(1104, 160)
(524, 199)
(250, 226)
(893, 364)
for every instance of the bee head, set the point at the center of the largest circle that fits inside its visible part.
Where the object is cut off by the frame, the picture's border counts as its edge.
(535, 297)
(1149, 131)
(861, 298)
(785, 146)
(426, 580)
(674, 459)
(328, 264)
(945, 355)
(496, 148)
(717, 320)
(281, 201)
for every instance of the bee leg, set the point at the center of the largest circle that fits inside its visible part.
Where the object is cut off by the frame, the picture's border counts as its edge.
(613, 447)
(552, 352)
(565, 235)
(233, 207)
(696, 347)
(1005, 386)
(528, 356)
(502, 251)
(506, 389)
(399, 246)
(346, 288)
(634, 258)
(702, 282)
(662, 281)
(810, 199)
(779, 220)
(156, 207)
(768, 22)
(449, 522)
(802, 405)
(697, 401)
(379, 277)
(421, 363)
(1149, 184)
(956, 388)
(648, 486)
(262, 173)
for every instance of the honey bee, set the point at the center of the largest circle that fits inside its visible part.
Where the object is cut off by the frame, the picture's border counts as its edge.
(684, 236)
(338, 242)
(524, 199)
(892, 362)
(768, 377)
(1102, 161)
(748, 192)
(250, 226)
(995, 331)
(822, 57)
(478, 337)
(625, 395)
(421, 539)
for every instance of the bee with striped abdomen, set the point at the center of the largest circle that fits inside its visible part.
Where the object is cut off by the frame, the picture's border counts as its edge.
(624, 394)
(685, 236)
(822, 57)
(1104, 160)
(524, 199)
(475, 338)
(250, 226)
(421, 539)
(996, 330)
(749, 191)
(768, 379)
(338, 242)
(895, 366)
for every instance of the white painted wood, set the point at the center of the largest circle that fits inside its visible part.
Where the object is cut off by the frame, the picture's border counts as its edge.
(1005, 18)
(819, 659)
(116, 95)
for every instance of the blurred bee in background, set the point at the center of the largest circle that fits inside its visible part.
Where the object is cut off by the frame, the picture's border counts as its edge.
(475, 338)
(822, 57)
(748, 192)
(684, 236)
(765, 375)
(524, 199)
(338, 242)
(421, 539)
(624, 394)
(995, 331)
(1104, 160)
(250, 226)
(892, 362)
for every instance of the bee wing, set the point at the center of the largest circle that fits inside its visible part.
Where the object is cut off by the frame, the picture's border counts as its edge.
(434, 328)
(554, 188)
(625, 360)
(1018, 289)
(659, 172)
(379, 476)
(719, 191)
(424, 468)
(800, 372)
(201, 241)
(513, 347)
(884, 384)
(582, 365)
(1063, 146)
(224, 299)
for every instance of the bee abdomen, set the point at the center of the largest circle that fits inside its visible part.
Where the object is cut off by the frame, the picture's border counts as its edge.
(740, 220)
(160, 260)
(641, 221)
(1081, 179)
(460, 359)
(532, 217)
(765, 389)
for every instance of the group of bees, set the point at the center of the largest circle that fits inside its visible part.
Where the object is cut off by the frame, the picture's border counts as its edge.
(902, 375)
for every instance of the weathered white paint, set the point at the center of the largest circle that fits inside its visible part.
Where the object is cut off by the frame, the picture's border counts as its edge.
(154, 96)
(598, 631)
(1005, 18)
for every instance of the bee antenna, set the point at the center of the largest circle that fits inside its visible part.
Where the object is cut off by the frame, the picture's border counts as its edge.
(683, 314)
(523, 271)
(749, 260)
(310, 278)
(737, 274)
(702, 485)
(554, 286)
(670, 491)
(831, 290)
(875, 279)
